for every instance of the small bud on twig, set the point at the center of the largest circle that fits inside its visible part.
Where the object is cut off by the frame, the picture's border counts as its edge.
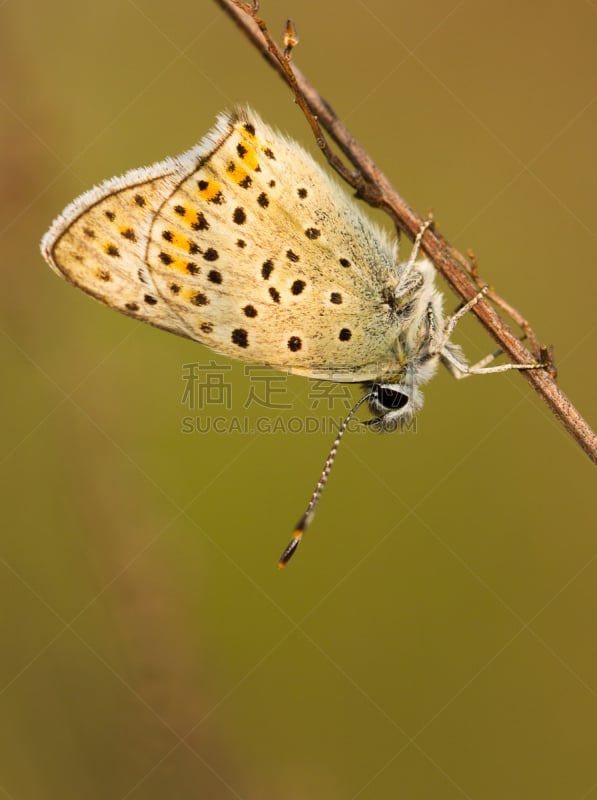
(290, 39)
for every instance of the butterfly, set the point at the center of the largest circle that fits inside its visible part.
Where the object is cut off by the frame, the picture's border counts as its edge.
(245, 244)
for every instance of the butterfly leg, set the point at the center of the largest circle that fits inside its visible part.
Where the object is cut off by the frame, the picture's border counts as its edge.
(453, 319)
(417, 245)
(453, 359)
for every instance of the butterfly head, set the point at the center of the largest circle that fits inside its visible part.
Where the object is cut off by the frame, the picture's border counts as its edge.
(391, 403)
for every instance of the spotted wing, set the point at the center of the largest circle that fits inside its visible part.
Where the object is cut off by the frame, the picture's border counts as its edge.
(242, 243)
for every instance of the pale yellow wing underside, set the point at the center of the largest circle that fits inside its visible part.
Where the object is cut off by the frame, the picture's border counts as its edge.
(244, 244)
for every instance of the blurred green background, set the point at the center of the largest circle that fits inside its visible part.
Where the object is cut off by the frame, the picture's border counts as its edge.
(435, 636)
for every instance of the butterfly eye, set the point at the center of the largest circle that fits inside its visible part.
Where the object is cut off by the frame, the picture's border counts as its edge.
(391, 399)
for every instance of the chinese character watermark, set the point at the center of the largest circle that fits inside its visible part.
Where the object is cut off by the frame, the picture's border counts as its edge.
(204, 386)
(208, 389)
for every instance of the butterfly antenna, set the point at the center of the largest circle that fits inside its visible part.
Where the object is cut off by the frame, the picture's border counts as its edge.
(305, 520)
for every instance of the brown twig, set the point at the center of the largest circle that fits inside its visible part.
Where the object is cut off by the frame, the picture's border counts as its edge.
(372, 186)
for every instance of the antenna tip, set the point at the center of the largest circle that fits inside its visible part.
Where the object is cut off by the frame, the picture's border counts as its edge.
(290, 548)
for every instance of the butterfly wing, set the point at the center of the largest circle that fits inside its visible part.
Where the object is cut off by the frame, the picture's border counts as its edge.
(242, 243)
